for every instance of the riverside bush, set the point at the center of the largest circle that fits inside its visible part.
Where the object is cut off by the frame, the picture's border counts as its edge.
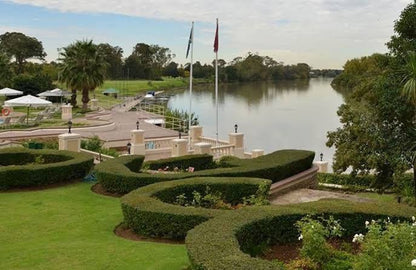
(22, 167)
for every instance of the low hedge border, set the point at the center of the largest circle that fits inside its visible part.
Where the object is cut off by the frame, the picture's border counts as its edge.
(115, 177)
(211, 248)
(59, 166)
(149, 210)
(198, 162)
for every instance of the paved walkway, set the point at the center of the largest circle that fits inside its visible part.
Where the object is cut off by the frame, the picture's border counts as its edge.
(108, 125)
(310, 195)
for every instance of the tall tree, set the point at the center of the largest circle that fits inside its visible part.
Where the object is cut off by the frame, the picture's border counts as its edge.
(21, 47)
(113, 56)
(151, 59)
(5, 70)
(83, 68)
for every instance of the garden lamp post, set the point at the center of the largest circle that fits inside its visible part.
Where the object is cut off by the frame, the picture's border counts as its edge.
(235, 128)
(137, 124)
(69, 126)
(321, 156)
(128, 148)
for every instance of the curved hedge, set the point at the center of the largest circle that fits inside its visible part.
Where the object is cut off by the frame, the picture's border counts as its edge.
(21, 167)
(115, 176)
(149, 210)
(229, 248)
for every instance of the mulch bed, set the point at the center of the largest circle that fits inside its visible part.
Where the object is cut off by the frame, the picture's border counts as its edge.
(55, 185)
(122, 231)
(291, 251)
(98, 188)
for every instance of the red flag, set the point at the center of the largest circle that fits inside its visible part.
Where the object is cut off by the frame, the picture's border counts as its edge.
(216, 39)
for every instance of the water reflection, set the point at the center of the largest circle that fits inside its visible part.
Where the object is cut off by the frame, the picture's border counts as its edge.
(273, 115)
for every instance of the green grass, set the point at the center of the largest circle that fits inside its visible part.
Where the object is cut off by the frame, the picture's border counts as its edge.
(387, 198)
(72, 228)
(132, 88)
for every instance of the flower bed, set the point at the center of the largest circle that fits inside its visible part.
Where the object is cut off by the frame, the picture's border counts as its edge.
(151, 211)
(21, 168)
(251, 231)
(116, 176)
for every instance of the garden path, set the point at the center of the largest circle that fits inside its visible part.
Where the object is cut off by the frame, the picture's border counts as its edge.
(310, 195)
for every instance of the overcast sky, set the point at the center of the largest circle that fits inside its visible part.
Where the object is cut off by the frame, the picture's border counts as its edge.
(322, 33)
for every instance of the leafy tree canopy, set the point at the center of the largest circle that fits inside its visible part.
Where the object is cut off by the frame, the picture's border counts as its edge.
(21, 47)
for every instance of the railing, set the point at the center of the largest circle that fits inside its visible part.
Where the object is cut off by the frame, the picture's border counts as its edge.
(170, 121)
(154, 154)
(223, 150)
(213, 142)
(98, 157)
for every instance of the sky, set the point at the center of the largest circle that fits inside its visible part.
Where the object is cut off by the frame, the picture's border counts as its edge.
(322, 33)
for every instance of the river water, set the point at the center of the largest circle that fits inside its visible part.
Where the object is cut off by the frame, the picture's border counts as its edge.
(272, 115)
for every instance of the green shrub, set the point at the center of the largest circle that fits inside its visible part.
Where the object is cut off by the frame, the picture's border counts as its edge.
(115, 177)
(22, 167)
(249, 228)
(366, 181)
(199, 162)
(151, 210)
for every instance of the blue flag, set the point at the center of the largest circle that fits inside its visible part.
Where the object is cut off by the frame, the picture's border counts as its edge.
(190, 41)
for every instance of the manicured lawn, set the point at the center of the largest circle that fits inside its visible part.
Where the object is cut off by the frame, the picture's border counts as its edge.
(72, 228)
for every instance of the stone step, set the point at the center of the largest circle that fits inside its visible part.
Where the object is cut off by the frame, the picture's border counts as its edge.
(305, 179)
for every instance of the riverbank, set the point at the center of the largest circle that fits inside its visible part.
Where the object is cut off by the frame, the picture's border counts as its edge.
(130, 88)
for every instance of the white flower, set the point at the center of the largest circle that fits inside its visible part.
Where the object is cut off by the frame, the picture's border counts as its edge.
(367, 223)
(358, 238)
(413, 218)
(373, 221)
(413, 262)
(300, 237)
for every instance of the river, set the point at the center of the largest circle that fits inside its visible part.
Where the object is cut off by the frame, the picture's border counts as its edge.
(272, 115)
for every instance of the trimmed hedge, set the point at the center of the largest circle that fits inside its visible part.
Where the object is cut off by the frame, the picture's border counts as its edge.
(250, 229)
(199, 162)
(149, 210)
(19, 169)
(115, 177)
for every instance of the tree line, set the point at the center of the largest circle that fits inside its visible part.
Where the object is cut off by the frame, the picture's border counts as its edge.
(84, 65)
(378, 133)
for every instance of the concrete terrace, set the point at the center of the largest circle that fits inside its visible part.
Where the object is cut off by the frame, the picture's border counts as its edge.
(110, 125)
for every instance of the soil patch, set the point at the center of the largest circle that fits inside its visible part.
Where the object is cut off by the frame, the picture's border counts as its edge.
(98, 188)
(291, 251)
(283, 252)
(123, 231)
(55, 185)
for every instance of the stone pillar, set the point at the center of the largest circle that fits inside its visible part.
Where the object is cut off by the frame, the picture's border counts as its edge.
(322, 166)
(237, 139)
(70, 142)
(94, 104)
(66, 112)
(257, 153)
(196, 133)
(179, 147)
(137, 142)
(202, 148)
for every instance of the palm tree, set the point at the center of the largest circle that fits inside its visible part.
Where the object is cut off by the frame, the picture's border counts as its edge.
(409, 91)
(83, 68)
(409, 88)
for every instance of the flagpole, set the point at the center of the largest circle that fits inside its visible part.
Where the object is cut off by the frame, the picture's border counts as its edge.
(216, 87)
(190, 87)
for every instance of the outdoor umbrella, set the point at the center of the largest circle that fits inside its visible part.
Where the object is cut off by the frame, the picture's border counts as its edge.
(55, 93)
(10, 92)
(27, 101)
(110, 91)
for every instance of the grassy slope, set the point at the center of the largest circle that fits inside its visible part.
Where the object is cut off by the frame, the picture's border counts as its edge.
(72, 228)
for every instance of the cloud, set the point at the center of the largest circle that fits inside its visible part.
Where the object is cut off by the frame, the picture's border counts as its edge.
(338, 29)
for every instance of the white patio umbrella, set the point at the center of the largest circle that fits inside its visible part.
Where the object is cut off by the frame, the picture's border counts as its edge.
(27, 101)
(10, 92)
(55, 93)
